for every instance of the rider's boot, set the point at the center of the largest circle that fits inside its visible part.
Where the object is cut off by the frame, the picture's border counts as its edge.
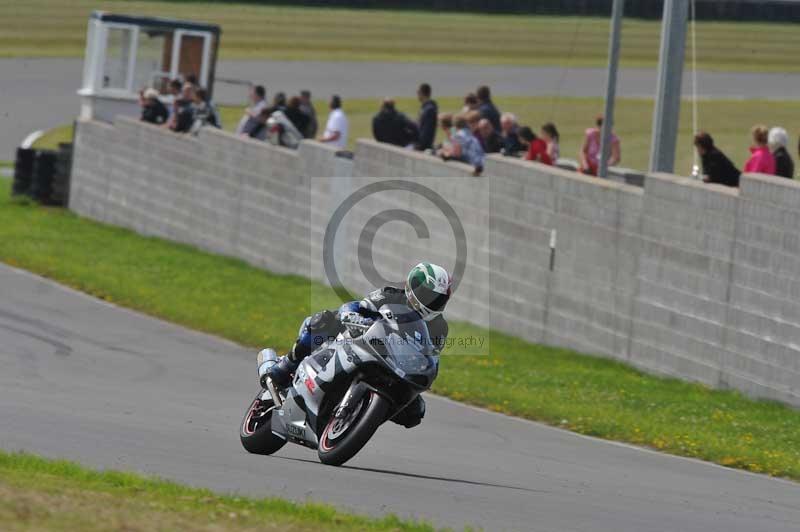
(279, 369)
(411, 415)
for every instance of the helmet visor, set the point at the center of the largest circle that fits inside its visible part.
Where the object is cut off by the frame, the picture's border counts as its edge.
(427, 297)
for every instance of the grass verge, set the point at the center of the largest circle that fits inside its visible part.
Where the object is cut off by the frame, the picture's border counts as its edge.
(40, 494)
(57, 28)
(729, 121)
(226, 297)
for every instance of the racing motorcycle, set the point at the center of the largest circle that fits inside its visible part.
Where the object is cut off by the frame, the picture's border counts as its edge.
(343, 391)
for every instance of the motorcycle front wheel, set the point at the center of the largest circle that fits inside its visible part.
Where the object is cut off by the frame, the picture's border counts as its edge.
(256, 430)
(343, 437)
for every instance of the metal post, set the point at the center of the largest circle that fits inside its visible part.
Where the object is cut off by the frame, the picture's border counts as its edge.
(611, 86)
(668, 90)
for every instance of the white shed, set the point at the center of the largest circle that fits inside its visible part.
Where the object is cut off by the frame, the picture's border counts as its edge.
(126, 54)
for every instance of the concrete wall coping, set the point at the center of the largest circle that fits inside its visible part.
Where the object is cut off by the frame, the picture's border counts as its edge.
(413, 154)
(773, 180)
(693, 183)
(562, 172)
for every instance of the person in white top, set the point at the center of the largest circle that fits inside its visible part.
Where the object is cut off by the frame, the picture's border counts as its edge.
(336, 129)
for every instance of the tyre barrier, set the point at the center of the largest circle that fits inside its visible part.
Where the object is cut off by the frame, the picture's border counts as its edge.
(23, 171)
(43, 175)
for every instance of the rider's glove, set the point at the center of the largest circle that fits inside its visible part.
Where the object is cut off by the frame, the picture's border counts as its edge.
(355, 322)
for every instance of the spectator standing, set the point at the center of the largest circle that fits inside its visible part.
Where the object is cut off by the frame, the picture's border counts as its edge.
(717, 168)
(336, 128)
(487, 108)
(153, 111)
(204, 113)
(183, 113)
(590, 151)
(257, 127)
(537, 148)
(491, 140)
(393, 127)
(551, 137)
(250, 119)
(777, 140)
(307, 107)
(509, 128)
(296, 115)
(761, 160)
(428, 114)
(464, 146)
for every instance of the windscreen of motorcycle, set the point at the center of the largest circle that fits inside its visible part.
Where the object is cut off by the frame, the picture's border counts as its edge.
(404, 342)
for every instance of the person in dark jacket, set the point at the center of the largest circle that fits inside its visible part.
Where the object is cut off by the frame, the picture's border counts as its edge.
(428, 114)
(487, 108)
(295, 114)
(307, 107)
(393, 127)
(778, 139)
(511, 144)
(717, 168)
(490, 139)
(153, 110)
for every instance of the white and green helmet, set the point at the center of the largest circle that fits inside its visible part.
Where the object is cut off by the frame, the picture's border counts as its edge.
(428, 289)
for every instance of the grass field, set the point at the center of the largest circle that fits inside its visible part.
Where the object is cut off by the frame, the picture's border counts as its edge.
(229, 298)
(39, 494)
(729, 122)
(58, 27)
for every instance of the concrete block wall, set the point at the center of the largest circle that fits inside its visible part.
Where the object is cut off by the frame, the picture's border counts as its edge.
(763, 334)
(680, 278)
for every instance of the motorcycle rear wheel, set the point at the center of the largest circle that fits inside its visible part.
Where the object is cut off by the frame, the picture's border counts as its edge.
(255, 432)
(342, 438)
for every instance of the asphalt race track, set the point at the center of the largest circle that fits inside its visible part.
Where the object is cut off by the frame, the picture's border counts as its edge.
(84, 380)
(41, 93)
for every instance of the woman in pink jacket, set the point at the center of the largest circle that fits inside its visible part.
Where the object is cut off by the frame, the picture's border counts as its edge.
(761, 160)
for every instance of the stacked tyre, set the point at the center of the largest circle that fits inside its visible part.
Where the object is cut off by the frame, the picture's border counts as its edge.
(43, 175)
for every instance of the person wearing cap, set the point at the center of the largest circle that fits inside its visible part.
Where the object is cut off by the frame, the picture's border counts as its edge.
(153, 111)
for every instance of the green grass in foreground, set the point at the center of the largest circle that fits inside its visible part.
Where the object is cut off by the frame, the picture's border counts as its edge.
(729, 121)
(58, 28)
(229, 298)
(40, 494)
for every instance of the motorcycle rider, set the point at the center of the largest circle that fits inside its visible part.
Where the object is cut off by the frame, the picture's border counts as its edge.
(427, 290)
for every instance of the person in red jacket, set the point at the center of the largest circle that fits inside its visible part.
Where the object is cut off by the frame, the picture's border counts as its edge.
(761, 160)
(537, 148)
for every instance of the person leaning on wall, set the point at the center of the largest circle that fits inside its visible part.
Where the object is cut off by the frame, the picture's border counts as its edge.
(777, 140)
(717, 168)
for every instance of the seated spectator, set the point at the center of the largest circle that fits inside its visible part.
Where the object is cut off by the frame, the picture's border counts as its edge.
(191, 78)
(511, 143)
(258, 102)
(537, 148)
(307, 107)
(204, 113)
(491, 141)
(446, 125)
(550, 136)
(335, 132)
(393, 127)
(428, 113)
(464, 146)
(257, 127)
(487, 108)
(590, 151)
(183, 113)
(717, 168)
(295, 114)
(153, 111)
(470, 103)
(761, 160)
(777, 141)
